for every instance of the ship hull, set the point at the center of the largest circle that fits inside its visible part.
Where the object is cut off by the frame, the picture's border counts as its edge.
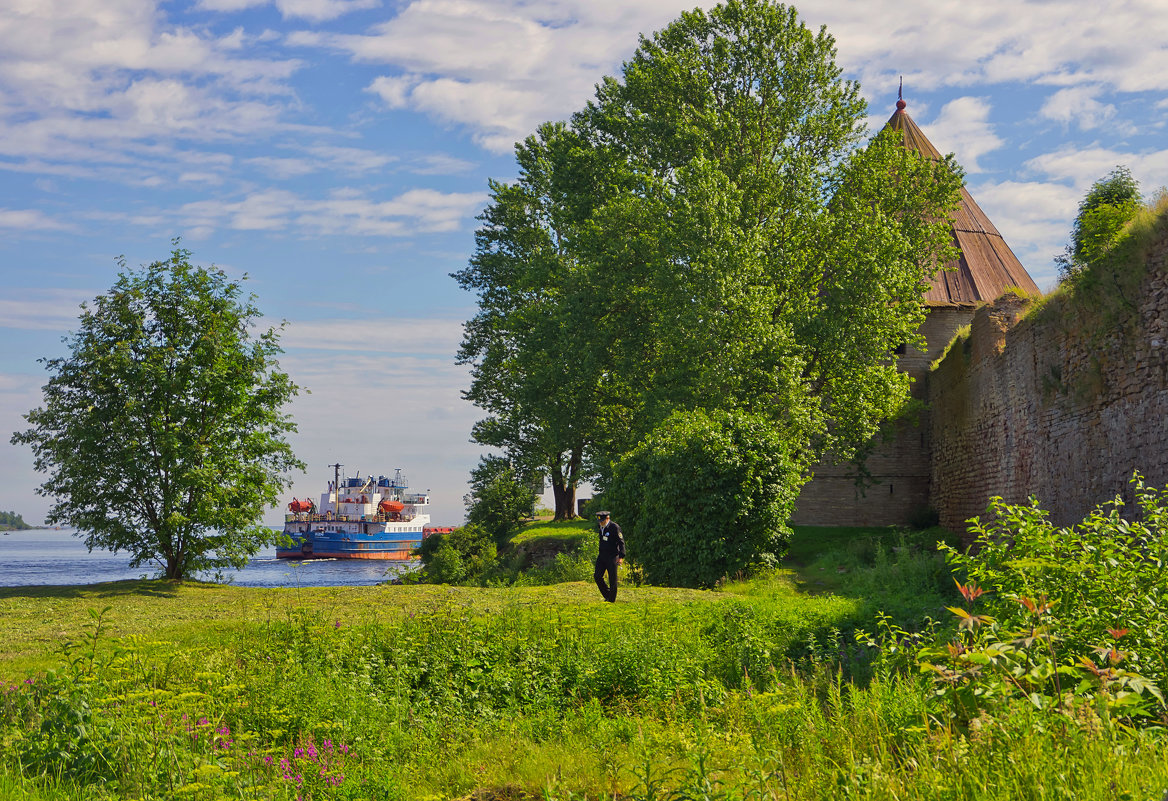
(391, 556)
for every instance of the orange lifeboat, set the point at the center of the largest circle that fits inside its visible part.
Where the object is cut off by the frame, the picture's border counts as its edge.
(390, 507)
(299, 506)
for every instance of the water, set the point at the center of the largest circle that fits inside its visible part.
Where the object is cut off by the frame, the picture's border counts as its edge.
(29, 558)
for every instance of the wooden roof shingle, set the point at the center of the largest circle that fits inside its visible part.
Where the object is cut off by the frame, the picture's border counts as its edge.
(986, 267)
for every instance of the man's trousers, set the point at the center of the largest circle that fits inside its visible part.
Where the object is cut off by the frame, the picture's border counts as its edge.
(606, 564)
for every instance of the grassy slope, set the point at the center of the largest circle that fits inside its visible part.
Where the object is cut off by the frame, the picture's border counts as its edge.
(194, 615)
(38, 620)
(809, 737)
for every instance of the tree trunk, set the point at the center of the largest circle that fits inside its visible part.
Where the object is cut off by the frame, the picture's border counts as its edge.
(565, 500)
(564, 486)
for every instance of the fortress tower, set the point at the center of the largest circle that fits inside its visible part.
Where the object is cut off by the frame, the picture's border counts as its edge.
(900, 466)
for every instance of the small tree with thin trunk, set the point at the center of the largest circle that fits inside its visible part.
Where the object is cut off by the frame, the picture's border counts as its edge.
(162, 431)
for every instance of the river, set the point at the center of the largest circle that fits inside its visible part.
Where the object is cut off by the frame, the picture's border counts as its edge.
(53, 557)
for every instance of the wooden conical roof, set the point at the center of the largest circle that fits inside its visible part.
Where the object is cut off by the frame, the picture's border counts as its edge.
(986, 267)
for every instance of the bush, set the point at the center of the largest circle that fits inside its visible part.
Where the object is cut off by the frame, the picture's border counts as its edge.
(464, 554)
(1105, 210)
(500, 498)
(1104, 575)
(705, 496)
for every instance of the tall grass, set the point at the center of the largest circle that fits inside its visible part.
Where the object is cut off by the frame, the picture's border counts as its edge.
(757, 691)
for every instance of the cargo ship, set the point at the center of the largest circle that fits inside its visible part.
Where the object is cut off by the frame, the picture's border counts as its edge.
(374, 517)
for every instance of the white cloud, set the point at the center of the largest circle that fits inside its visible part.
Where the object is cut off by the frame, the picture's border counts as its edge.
(315, 10)
(1082, 167)
(30, 220)
(112, 89)
(451, 57)
(441, 164)
(343, 212)
(1119, 43)
(1077, 105)
(320, 158)
(426, 336)
(498, 68)
(44, 309)
(393, 91)
(963, 127)
(1034, 218)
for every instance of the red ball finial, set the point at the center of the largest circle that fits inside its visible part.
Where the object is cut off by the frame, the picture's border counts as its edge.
(900, 104)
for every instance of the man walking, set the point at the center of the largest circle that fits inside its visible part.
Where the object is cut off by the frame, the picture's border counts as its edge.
(612, 553)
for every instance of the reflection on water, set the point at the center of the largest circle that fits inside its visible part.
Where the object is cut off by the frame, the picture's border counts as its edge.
(58, 557)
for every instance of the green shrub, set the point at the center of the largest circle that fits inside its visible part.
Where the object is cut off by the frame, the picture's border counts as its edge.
(705, 496)
(500, 498)
(465, 554)
(1104, 579)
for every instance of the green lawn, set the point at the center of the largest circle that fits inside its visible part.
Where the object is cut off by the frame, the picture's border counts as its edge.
(756, 690)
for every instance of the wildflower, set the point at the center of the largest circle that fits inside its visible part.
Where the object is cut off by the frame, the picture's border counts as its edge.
(267, 760)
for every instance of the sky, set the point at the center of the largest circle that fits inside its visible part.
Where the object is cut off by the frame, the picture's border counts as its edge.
(337, 152)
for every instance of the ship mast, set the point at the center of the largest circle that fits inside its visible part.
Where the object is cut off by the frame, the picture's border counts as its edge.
(336, 488)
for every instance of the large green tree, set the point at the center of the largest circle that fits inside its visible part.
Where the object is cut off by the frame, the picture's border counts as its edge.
(162, 432)
(767, 258)
(711, 232)
(527, 367)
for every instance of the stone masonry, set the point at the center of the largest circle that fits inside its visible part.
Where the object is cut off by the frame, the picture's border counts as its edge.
(1036, 406)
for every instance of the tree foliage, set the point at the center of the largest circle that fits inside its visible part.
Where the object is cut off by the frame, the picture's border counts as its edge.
(527, 369)
(162, 431)
(710, 232)
(706, 495)
(1109, 205)
(465, 554)
(500, 498)
(12, 520)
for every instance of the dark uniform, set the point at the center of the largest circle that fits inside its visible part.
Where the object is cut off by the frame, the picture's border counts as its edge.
(612, 549)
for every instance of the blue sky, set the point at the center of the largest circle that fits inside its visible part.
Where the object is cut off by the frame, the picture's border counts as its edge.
(338, 151)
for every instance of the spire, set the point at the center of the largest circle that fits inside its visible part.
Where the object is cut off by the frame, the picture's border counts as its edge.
(986, 267)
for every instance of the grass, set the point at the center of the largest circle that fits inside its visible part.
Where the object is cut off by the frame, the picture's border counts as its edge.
(565, 531)
(423, 692)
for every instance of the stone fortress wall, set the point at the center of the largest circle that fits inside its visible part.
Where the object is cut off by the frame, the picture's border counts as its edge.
(900, 466)
(1037, 405)
(1051, 403)
(1043, 405)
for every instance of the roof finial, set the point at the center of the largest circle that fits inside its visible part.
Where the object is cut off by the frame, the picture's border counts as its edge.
(900, 104)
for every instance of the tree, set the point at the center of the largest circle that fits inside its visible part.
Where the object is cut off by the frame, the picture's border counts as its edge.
(527, 369)
(500, 498)
(1104, 211)
(162, 431)
(763, 258)
(710, 232)
(12, 521)
(706, 495)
